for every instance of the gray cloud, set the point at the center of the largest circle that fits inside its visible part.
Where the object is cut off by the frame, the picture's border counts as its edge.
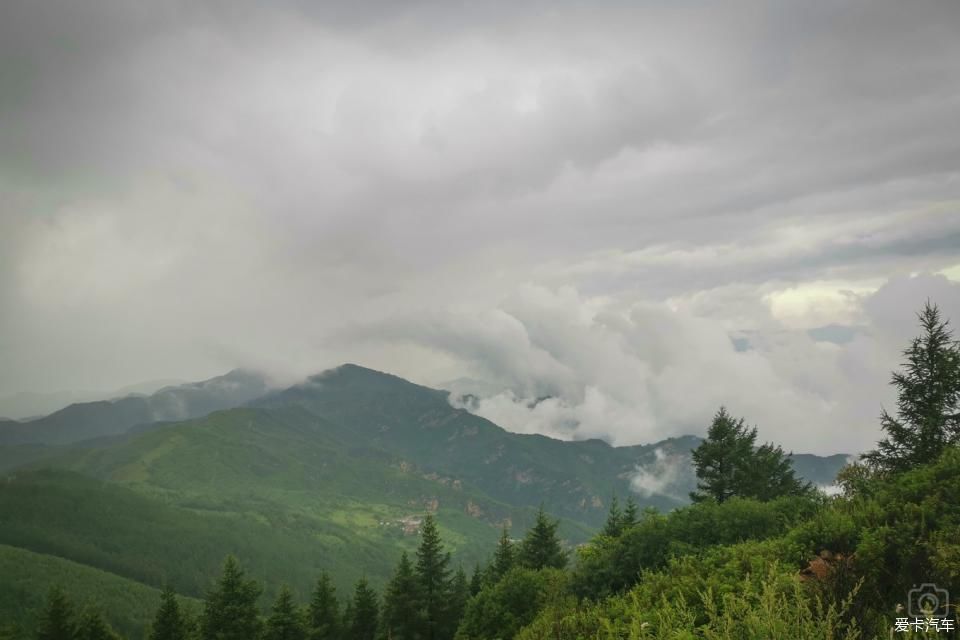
(556, 198)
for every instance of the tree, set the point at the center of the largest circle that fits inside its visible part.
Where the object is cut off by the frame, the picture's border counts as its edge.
(541, 547)
(728, 464)
(433, 574)
(476, 580)
(631, 514)
(720, 459)
(614, 522)
(365, 613)
(92, 626)
(770, 475)
(459, 596)
(503, 608)
(401, 619)
(504, 556)
(928, 400)
(230, 609)
(285, 621)
(56, 621)
(323, 614)
(169, 623)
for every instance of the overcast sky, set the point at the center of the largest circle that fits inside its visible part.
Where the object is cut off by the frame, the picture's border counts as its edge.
(641, 210)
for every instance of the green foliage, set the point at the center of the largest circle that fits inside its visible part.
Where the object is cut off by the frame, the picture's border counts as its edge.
(169, 623)
(230, 609)
(727, 465)
(433, 576)
(501, 609)
(459, 596)
(401, 618)
(92, 626)
(775, 607)
(504, 557)
(57, 621)
(27, 577)
(364, 613)
(323, 612)
(286, 621)
(612, 564)
(719, 459)
(928, 400)
(476, 580)
(541, 547)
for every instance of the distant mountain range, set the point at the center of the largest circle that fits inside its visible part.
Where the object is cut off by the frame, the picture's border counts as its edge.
(333, 473)
(86, 420)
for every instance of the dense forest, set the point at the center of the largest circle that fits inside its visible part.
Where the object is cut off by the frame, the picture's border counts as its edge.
(758, 554)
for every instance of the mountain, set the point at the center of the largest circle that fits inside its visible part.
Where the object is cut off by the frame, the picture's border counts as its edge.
(86, 420)
(574, 479)
(335, 473)
(29, 405)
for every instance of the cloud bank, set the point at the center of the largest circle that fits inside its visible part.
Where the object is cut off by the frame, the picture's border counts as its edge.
(614, 217)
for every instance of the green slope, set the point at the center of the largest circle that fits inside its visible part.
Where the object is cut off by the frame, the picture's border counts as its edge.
(273, 488)
(27, 577)
(574, 479)
(330, 475)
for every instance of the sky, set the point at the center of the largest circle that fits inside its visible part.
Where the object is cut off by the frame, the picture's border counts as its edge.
(604, 219)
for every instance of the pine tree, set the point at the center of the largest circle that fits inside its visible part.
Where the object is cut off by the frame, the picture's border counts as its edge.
(401, 619)
(504, 557)
(770, 475)
(230, 609)
(631, 514)
(92, 626)
(928, 400)
(323, 614)
(365, 613)
(56, 622)
(285, 621)
(433, 574)
(614, 524)
(347, 620)
(721, 458)
(728, 465)
(476, 580)
(169, 623)
(541, 547)
(459, 595)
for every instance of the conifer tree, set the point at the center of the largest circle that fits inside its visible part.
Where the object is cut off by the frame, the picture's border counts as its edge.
(728, 465)
(169, 623)
(323, 614)
(614, 524)
(769, 474)
(56, 621)
(476, 580)
(631, 514)
(92, 626)
(459, 595)
(433, 574)
(285, 621)
(541, 547)
(230, 609)
(347, 621)
(401, 619)
(504, 557)
(928, 400)
(720, 459)
(364, 613)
